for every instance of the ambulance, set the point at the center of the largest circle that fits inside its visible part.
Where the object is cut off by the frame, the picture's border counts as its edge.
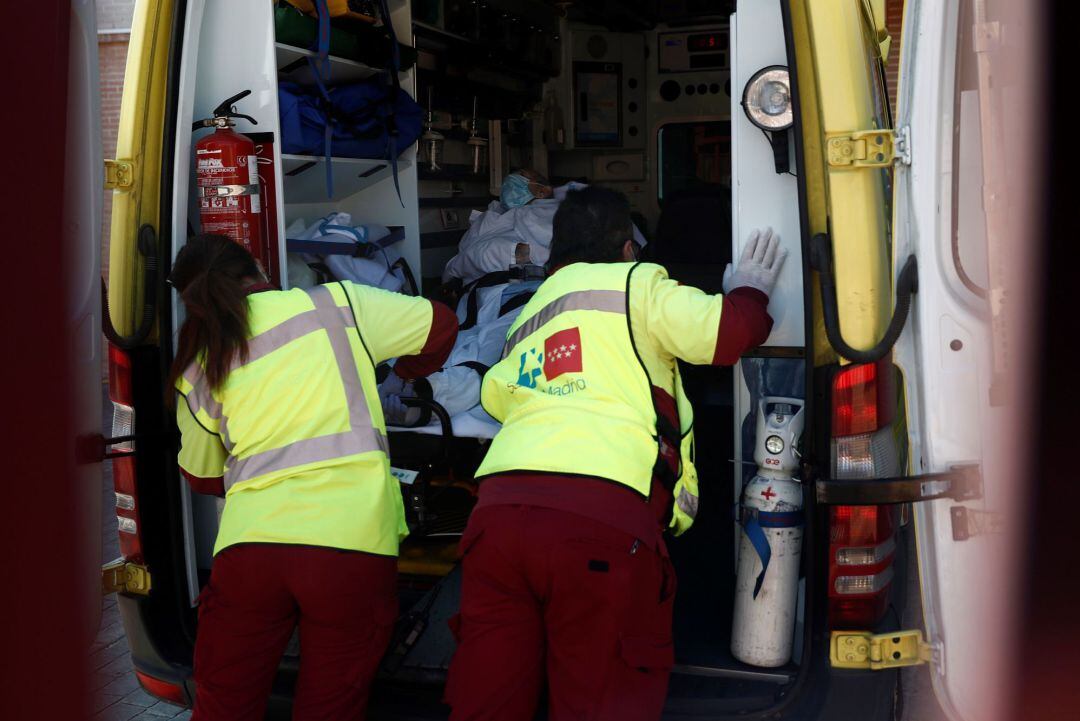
(714, 117)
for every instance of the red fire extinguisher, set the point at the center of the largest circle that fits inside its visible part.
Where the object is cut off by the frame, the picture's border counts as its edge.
(227, 179)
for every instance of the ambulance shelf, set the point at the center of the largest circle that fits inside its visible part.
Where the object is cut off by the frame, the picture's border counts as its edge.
(324, 247)
(304, 176)
(292, 65)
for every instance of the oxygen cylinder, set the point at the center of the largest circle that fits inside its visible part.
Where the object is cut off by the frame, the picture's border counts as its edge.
(771, 517)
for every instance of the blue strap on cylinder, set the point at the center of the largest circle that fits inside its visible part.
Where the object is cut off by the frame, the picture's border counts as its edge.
(753, 521)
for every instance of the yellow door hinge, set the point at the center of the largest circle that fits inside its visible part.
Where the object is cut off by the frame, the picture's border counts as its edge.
(862, 149)
(861, 649)
(124, 577)
(119, 174)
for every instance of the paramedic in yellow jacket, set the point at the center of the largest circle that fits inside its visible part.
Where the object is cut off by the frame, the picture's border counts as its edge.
(565, 569)
(280, 413)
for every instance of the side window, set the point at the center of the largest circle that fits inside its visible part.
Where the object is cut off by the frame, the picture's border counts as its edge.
(693, 156)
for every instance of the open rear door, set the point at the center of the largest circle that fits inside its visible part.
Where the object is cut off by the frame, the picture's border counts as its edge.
(913, 210)
(82, 190)
(961, 351)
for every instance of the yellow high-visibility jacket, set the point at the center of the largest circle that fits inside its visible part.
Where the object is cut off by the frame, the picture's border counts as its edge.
(574, 389)
(297, 430)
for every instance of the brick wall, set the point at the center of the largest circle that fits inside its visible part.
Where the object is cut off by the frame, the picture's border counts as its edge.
(894, 15)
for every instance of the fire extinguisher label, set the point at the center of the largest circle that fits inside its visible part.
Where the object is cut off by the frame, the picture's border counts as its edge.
(253, 179)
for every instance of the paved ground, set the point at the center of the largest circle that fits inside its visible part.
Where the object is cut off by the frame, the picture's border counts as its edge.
(117, 695)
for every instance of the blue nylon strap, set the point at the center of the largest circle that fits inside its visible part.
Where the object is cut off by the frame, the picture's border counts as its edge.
(361, 237)
(753, 521)
(328, 130)
(323, 39)
(391, 123)
(781, 519)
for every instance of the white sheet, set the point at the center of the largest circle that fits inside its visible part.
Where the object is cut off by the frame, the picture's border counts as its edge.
(494, 234)
(473, 423)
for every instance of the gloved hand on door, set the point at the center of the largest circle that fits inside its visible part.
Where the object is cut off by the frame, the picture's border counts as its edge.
(760, 264)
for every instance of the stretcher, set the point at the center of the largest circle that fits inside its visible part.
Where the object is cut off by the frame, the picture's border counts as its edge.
(438, 488)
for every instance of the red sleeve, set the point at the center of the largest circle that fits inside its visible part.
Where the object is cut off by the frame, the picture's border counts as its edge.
(209, 486)
(437, 347)
(744, 324)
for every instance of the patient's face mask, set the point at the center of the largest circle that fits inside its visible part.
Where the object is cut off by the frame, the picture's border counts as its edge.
(515, 191)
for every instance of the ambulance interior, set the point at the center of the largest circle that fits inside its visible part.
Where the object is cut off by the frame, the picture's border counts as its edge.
(638, 96)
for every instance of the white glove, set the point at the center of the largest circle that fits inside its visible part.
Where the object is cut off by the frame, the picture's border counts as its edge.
(759, 265)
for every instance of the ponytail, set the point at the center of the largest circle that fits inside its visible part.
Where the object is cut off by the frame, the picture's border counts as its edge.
(209, 274)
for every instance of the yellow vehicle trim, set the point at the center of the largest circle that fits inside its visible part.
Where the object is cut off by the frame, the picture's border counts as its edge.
(834, 47)
(139, 141)
(813, 168)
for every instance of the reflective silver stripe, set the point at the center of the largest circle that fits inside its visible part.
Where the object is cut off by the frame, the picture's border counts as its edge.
(223, 431)
(289, 330)
(331, 318)
(608, 301)
(687, 502)
(200, 398)
(362, 437)
(261, 345)
(300, 453)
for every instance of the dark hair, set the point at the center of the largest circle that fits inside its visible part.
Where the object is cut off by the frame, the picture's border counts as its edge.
(208, 274)
(590, 226)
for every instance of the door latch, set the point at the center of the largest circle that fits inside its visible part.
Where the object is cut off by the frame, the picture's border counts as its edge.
(119, 174)
(120, 576)
(862, 649)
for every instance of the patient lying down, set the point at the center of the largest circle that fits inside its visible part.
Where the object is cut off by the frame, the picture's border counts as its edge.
(456, 386)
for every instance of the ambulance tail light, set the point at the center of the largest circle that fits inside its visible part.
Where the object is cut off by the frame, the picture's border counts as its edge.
(862, 539)
(121, 392)
(171, 692)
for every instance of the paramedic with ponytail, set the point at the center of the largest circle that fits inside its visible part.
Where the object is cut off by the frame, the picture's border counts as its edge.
(565, 571)
(279, 413)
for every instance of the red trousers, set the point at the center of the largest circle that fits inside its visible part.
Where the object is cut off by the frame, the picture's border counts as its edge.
(550, 593)
(345, 604)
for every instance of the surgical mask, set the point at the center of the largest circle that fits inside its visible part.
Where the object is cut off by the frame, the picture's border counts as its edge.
(515, 191)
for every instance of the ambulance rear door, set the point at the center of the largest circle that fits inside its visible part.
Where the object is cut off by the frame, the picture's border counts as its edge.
(960, 351)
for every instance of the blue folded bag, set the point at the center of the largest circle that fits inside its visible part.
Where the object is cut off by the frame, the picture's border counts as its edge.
(356, 117)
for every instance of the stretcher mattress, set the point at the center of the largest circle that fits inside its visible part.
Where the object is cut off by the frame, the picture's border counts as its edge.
(473, 423)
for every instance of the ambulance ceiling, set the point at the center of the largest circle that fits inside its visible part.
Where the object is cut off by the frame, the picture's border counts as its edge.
(637, 15)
